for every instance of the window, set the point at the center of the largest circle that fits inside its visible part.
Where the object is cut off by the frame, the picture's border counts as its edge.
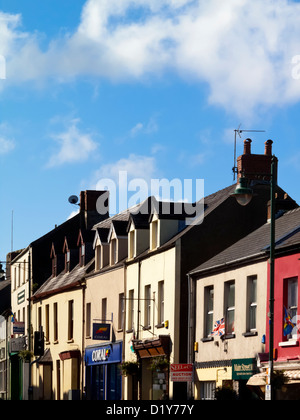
(82, 255)
(114, 258)
(209, 310)
(47, 338)
(98, 257)
(67, 261)
(147, 307)
(54, 266)
(292, 300)
(130, 310)
(208, 390)
(88, 320)
(55, 322)
(154, 235)
(161, 302)
(251, 303)
(121, 311)
(229, 307)
(131, 244)
(104, 309)
(70, 320)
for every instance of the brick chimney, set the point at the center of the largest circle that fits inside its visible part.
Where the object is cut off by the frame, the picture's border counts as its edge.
(255, 167)
(88, 208)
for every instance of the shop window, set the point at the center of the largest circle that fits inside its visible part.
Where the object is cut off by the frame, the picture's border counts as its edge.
(208, 390)
(291, 293)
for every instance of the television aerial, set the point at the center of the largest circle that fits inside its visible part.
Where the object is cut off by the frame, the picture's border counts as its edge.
(238, 132)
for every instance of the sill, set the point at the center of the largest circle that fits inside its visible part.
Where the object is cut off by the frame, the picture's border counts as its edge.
(70, 341)
(55, 342)
(88, 337)
(161, 325)
(129, 331)
(120, 330)
(207, 339)
(290, 343)
(250, 334)
(147, 328)
(228, 336)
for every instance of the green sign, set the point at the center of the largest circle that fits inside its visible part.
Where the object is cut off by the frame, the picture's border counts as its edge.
(243, 368)
(21, 297)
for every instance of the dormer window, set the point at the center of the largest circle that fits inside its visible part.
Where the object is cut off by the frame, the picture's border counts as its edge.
(54, 266)
(82, 255)
(67, 262)
(154, 234)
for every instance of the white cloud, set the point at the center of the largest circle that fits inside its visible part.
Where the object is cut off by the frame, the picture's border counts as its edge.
(73, 146)
(6, 145)
(242, 49)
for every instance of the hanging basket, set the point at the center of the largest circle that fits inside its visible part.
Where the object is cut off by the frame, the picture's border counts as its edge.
(159, 363)
(129, 368)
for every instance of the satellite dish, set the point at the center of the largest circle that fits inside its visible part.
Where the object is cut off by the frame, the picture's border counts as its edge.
(73, 199)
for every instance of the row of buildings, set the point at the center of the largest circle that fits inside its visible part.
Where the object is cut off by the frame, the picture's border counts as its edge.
(103, 307)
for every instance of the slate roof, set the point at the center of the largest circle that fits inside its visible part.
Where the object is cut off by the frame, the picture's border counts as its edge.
(256, 245)
(63, 280)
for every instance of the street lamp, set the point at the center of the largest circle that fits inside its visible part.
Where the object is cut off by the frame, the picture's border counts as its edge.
(243, 195)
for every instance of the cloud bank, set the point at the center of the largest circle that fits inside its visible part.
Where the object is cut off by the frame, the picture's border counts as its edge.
(242, 49)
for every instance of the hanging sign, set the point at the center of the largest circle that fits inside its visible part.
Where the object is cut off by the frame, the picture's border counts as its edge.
(101, 332)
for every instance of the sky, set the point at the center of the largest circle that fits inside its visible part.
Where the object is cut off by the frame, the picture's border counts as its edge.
(153, 88)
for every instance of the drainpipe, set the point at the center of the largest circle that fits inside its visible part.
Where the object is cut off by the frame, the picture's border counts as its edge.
(191, 330)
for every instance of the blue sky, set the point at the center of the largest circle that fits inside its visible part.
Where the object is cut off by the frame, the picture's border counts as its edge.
(154, 87)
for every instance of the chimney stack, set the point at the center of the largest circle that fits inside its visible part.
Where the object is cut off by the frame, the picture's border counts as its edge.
(253, 166)
(88, 208)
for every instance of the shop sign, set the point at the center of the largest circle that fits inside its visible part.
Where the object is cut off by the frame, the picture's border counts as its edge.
(21, 297)
(243, 369)
(17, 344)
(182, 372)
(101, 332)
(19, 328)
(111, 353)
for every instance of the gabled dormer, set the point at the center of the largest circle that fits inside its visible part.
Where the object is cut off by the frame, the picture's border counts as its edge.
(70, 253)
(138, 234)
(166, 220)
(101, 248)
(57, 259)
(118, 241)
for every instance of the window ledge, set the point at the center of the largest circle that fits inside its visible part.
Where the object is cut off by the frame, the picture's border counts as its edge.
(228, 336)
(290, 343)
(161, 325)
(207, 339)
(250, 334)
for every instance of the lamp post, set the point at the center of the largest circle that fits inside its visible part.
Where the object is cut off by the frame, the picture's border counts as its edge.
(243, 195)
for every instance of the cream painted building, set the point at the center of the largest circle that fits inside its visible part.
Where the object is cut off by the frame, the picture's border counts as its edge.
(232, 288)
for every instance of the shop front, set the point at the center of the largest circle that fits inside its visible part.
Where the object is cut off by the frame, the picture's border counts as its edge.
(103, 372)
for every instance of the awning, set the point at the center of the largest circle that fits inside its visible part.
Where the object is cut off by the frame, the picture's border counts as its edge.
(293, 376)
(46, 359)
(155, 347)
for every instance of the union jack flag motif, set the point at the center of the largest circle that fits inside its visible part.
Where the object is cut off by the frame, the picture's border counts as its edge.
(219, 328)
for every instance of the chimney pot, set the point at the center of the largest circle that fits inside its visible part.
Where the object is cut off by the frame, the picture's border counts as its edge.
(268, 147)
(247, 146)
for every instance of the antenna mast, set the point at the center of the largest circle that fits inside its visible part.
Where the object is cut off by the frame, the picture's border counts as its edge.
(239, 132)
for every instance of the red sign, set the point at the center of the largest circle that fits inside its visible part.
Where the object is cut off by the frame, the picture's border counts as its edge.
(182, 372)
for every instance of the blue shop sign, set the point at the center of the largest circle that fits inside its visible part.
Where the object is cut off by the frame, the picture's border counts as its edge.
(110, 353)
(101, 331)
